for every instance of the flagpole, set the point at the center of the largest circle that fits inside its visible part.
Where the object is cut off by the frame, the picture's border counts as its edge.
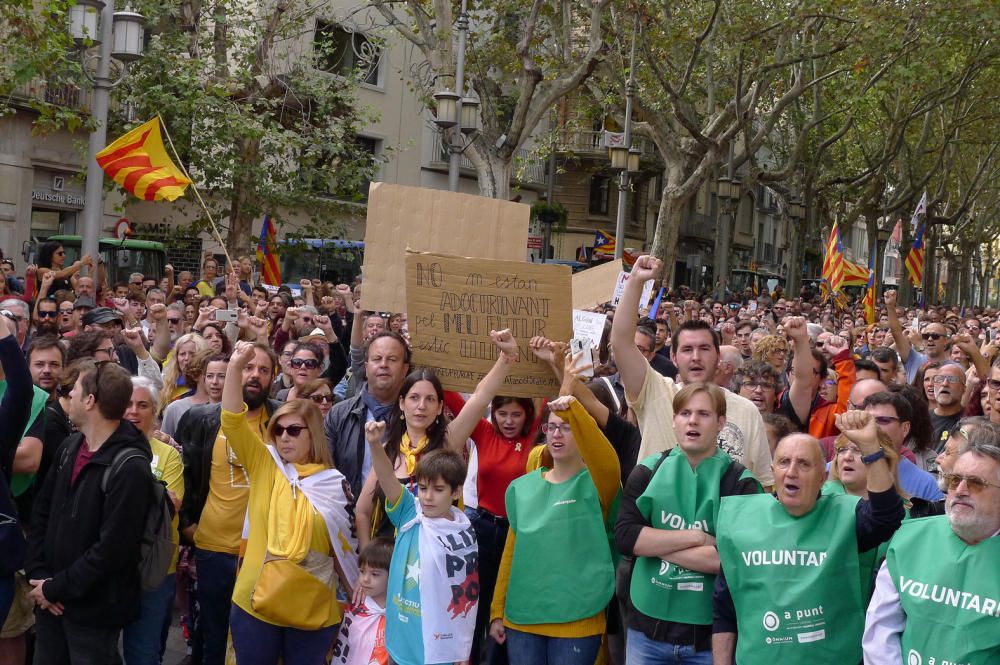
(218, 236)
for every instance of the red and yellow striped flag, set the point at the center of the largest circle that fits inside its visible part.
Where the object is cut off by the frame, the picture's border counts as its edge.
(139, 163)
(267, 254)
(833, 261)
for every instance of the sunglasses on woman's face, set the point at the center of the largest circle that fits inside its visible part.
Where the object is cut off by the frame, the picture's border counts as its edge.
(293, 430)
(322, 399)
(308, 363)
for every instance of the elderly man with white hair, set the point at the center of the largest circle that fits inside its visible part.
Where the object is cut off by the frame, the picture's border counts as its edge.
(937, 596)
(22, 315)
(730, 362)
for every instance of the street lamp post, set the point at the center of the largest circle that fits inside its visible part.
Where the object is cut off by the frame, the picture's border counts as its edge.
(119, 37)
(454, 110)
(623, 157)
(881, 243)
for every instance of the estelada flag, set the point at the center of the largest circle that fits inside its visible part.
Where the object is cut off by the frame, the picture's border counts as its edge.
(833, 260)
(267, 254)
(139, 163)
(603, 243)
(915, 259)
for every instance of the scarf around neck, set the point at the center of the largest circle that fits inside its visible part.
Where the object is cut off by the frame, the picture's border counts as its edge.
(380, 412)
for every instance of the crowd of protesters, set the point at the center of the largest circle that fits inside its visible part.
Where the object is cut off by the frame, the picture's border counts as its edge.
(739, 478)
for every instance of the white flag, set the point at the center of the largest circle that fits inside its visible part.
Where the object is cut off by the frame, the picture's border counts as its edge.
(921, 209)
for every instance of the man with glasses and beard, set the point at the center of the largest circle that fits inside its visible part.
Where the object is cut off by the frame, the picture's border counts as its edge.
(215, 500)
(936, 596)
(46, 317)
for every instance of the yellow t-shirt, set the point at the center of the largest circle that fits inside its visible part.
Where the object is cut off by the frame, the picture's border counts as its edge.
(221, 526)
(263, 474)
(167, 466)
(205, 289)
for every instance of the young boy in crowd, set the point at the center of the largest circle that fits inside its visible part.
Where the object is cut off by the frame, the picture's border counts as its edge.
(433, 586)
(362, 633)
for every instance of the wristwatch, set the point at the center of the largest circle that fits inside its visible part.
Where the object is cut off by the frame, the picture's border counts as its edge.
(874, 457)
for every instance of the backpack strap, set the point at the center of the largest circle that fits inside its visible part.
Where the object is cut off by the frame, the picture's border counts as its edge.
(117, 463)
(731, 479)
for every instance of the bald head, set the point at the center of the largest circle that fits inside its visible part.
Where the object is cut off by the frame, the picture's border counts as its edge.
(799, 471)
(804, 443)
(862, 389)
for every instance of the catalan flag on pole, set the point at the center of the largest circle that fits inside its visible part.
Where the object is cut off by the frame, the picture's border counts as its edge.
(138, 162)
(855, 274)
(915, 259)
(833, 260)
(267, 254)
(603, 243)
(869, 301)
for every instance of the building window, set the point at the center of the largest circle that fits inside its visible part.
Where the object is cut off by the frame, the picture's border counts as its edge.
(600, 185)
(341, 51)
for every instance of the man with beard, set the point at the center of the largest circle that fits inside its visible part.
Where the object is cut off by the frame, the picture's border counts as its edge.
(695, 351)
(936, 594)
(46, 358)
(46, 317)
(949, 386)
(215, 500)
(786, 559)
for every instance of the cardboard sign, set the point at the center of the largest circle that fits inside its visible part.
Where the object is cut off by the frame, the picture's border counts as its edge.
(453, 303)
(623, 277)
(595, 286)
(588, 326)
(432, 220)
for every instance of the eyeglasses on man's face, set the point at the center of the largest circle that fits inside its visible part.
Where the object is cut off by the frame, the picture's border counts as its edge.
(974, 483)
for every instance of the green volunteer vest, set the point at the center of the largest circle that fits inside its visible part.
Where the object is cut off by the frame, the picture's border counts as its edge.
(950, 592)
(869, 560)
(20, 482)
(678, 497)
(561, 569)
(786, 575)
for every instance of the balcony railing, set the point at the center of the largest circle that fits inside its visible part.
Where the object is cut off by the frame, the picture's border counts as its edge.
(60, 93)
(593, 143)
(531, 168)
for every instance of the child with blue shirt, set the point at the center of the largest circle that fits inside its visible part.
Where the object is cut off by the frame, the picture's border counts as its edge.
(433, 591)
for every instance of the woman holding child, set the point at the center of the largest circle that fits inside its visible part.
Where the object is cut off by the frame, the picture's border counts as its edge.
(300, 541)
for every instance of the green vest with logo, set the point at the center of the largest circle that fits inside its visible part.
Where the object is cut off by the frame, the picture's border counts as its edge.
(561, 570)
(678, 497)
(786, 575)
(950, 592)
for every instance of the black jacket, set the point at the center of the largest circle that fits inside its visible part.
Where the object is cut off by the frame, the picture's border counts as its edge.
(87, 541)
(345, 434)
(196, 432)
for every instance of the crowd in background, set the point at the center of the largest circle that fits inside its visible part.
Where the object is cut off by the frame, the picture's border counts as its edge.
(734, 476)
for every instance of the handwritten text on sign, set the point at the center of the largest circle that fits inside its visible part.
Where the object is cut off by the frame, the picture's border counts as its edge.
(453, 303)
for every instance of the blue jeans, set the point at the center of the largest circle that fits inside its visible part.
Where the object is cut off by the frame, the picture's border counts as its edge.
(529, 649)
(260, 643)
(491, 534)
(143, 640)
(216, 579)
(641, 650)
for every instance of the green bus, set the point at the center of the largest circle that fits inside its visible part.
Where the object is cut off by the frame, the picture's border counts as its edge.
(122, 257)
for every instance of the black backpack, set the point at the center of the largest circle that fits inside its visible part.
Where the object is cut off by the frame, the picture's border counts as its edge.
(156, 549)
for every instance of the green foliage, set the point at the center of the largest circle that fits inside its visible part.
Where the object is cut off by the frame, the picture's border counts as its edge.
(261, 129)
(554, 213)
